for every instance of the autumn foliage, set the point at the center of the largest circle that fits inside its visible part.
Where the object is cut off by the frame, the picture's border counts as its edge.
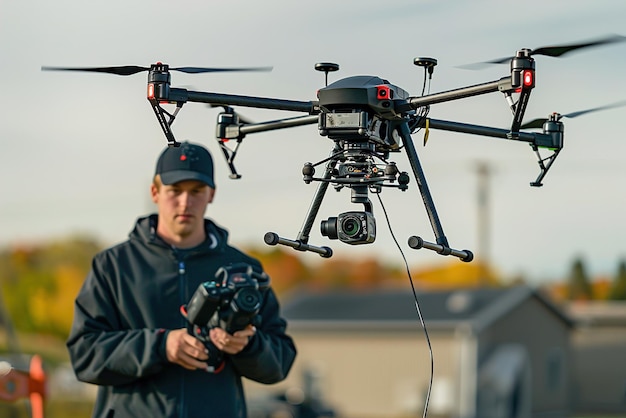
(39, 282)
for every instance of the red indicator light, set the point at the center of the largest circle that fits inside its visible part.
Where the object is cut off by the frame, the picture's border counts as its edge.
(528, 78)
(383, 93)
(150, 91)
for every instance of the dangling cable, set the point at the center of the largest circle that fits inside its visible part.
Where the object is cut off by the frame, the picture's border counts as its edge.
(417, 122)
(425, 79)
(417, 308)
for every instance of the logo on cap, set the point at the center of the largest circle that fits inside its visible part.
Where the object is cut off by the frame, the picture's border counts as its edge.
(187, 162)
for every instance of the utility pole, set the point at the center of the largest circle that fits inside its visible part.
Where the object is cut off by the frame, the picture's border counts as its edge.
(483, 205)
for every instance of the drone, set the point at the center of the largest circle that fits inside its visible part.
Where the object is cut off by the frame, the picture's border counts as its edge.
(368, 119)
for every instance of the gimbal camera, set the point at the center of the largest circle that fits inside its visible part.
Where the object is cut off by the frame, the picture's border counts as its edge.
(367, 118)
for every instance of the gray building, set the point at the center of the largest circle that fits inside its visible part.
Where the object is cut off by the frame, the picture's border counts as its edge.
(496, 352)
(599, 357)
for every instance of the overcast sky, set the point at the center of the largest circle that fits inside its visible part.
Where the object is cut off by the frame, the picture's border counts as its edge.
(78, 149)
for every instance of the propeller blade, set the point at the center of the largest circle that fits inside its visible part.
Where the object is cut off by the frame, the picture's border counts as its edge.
(484, 64)
(198, 70)
(595, 109)
(538, 123)
(123, 70)
(244, 119)
(535, 123)
(550, 51)
(558, 51)
(133, 69)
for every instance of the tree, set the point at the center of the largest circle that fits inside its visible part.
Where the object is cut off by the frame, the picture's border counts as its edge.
(618, 286)
(39, 282)
(579, 286)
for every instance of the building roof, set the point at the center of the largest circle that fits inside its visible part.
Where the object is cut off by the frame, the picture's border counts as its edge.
(598, 313)
(476, 307)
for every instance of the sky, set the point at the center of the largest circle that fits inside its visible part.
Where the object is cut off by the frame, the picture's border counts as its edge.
(78, 149)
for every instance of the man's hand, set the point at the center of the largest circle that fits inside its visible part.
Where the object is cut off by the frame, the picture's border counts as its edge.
(185, 350)
(231, 344)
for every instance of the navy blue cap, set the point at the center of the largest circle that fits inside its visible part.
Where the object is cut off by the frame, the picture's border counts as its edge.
(185, 162)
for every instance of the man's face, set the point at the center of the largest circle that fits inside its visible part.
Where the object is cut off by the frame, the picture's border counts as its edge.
(181, 208)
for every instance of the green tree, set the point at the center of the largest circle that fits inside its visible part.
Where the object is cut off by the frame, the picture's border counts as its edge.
(618, 286)
(579, 285)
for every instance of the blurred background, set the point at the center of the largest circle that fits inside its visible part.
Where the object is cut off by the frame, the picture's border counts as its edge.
(533, 327)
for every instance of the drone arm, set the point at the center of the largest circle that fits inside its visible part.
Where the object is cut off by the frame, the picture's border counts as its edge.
(277, 124)
(227, 129)
(504, 84)
(532, 137)
(551, 138)
(248, 101)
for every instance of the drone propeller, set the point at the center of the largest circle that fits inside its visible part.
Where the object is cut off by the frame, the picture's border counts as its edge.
(538, 123)
(550, 51)
(133, 69)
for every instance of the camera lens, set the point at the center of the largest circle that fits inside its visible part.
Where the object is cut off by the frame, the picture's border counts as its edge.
(351, 226)
(247, 300)
(328, 228)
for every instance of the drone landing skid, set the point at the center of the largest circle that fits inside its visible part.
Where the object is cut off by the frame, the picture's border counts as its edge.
(301, 243)
(544, 167)
(272, 238)
(417, 243)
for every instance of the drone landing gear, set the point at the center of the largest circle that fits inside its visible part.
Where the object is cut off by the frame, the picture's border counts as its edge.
(544, 165)
(441, 247)
(272, 238)
(350, 157)
(166, 119)
(301, 243)
(417, 243)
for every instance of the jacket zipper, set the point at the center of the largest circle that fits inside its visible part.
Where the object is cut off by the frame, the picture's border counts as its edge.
(182, 407)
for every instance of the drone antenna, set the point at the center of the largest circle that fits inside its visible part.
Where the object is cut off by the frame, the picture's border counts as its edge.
(326, 67)
(427, 63)
(429, 67)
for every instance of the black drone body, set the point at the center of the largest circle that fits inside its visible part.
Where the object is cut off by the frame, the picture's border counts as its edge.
(369, 93)
(367, 118)
(362, 109)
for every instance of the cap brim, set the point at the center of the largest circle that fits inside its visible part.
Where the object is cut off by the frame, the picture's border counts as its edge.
(176, 176)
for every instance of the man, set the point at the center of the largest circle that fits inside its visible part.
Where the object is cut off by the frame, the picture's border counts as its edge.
(128, 335)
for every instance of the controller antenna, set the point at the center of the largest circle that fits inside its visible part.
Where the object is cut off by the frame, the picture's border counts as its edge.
(326, 67)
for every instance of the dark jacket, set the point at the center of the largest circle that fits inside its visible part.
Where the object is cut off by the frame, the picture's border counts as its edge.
(129, 300)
